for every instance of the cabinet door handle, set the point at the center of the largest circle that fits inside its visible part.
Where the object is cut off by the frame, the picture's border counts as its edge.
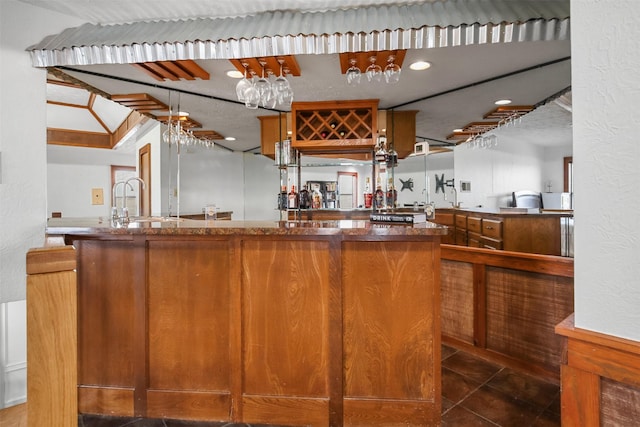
(488, 227)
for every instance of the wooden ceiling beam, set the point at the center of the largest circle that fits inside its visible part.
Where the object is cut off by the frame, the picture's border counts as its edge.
(78, 138)
(173, 70)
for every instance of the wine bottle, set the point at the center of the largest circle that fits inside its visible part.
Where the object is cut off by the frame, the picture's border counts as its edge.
(378, 198)
(305, 202)
(282, 198)
(368, 196)
(316, 199)
(392, 195)
(292, 198)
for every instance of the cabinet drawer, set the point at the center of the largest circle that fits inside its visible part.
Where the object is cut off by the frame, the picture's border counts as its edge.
(450, 237)
(474, 240)
(489, 243)
(461, 221)
(474, 224)
(444, 219)
(461, 237)
(492, 228)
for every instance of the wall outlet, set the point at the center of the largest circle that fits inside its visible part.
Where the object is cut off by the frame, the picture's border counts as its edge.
(97, 196)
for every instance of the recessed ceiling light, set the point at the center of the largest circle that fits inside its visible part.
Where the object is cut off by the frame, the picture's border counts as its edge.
(457, 130)
(235, 74)
(229, 138)
(183, 114)
(420, 65)
(503, 102)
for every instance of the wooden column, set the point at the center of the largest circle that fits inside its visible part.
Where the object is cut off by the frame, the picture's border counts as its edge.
(52, 337)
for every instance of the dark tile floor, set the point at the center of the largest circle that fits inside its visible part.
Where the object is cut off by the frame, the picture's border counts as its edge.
(475, 392)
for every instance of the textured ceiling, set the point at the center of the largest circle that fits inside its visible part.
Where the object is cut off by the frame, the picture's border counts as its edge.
(459, 88)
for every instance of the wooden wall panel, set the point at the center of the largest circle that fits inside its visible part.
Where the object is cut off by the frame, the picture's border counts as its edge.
(51, 337)
(522, 311)
(106, 400)
(389, 321)
(105, 313)
(285, 287)
(310, 412)
(620, 405)
(600, 378)
(456, 284)
(188, 309)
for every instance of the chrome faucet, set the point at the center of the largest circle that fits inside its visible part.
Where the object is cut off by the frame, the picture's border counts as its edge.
(114, 206)
(455, 203)
(125, 210)
(455, 197)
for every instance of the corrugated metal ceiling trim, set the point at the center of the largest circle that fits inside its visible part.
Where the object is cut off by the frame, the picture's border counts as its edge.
(425, 37)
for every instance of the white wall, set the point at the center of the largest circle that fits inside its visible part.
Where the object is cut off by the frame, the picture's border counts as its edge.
(261, 182)
(553, 167)
(496, 172)
(23, 177)
(13, 357)
(210, 176)
(605, 63)
(153, 137)
(414, 168)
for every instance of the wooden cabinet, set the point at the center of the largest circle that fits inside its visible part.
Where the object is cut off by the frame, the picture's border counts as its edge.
(323, 128)
(261, 328)
(400, 129)
(533, 233)
(335, 126)
(492, 236)
(448, 220)
(474, 224)
(272, 129)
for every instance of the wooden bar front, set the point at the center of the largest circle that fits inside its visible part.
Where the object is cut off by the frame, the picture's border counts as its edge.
(313, 327)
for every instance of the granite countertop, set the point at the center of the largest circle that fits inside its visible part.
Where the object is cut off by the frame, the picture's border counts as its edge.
(174, 226)
(509, 211)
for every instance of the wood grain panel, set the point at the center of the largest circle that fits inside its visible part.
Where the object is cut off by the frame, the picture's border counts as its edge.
(580, 398)
(620, 404)
(372, 412)
(105, 313)
(522, 311)
(105, 400)
(52, 340)
(188, 300)
(188, 405)
(600, 378)
(286, 410)
(389, 321)
(285, 304)
(605, 361)
(456, 287)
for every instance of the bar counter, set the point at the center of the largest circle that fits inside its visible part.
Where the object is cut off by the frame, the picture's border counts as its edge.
(321, 323)
(182, 226)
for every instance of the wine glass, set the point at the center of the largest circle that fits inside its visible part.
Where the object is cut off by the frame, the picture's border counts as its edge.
(252, 95)
(243, 84)
(264, 87)
(281, 87)
(392, 70)
(353, 73)
(374, 71)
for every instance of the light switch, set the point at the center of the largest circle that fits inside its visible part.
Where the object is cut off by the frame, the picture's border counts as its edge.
(97, 196)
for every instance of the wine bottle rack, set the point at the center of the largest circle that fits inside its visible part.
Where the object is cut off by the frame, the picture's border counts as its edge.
(335, 125)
